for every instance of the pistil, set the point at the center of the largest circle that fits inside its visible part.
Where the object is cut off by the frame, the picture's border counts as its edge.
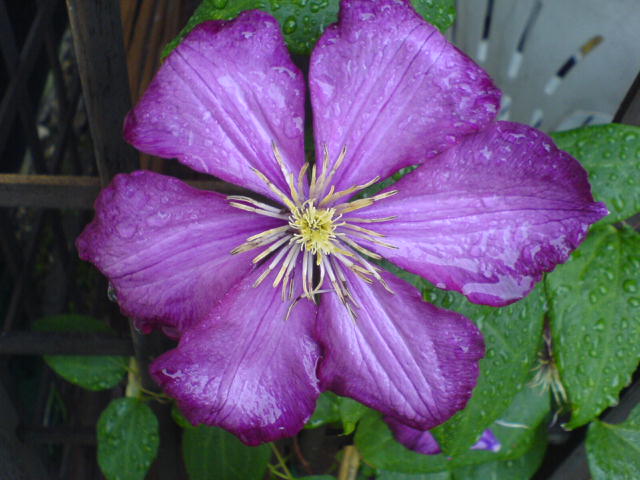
(317, 230)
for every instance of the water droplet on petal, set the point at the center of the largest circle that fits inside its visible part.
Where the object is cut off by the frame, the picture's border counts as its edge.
(126, 230)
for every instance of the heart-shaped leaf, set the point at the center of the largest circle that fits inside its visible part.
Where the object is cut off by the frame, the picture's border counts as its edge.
(611, 155)
(327, 410)
(127, 439)
(595, 320)
(302, 22)
(93, 372)
(613, 451)
(210, 452)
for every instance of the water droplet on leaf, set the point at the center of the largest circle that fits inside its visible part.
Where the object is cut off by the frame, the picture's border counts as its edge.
(289, 26)
(618, 203)
(630, 286)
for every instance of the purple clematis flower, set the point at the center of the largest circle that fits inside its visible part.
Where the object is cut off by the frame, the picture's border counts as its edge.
(422, 441)
(276, 299)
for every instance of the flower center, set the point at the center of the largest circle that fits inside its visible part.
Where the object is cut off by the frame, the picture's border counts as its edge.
(314, 228)
(317, 228)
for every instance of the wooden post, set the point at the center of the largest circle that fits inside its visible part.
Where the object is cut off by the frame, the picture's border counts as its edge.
(97, 36)
(629, 111)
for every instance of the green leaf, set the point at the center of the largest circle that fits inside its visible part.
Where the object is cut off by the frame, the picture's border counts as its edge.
(613, 451)
(302, 21)
(350, 413)
(127, 439)
(512, 337)
(318, 477)
(91, 371)
(179, 418)
(595, 320)
(210, 452)
(521, 468)
(386, 475)
(516, 426)
(378, 448)
(611, 155)
(440, 13)
(327, 410)
(516, 430)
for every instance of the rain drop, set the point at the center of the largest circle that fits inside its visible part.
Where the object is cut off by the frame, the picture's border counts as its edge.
(111, 293)
(126, 230)
(630, 286)
(316, 6)
(220, 4)
(618, 203)
(634, 302)
(289, 26)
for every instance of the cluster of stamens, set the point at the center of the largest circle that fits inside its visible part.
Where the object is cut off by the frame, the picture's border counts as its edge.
(316, 230)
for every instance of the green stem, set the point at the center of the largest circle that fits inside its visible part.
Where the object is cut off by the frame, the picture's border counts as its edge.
(281, 463)
(134, 381)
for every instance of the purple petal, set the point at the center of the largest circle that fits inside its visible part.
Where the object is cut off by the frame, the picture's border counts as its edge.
(401, 356)
(487, 441)
(221, 98)
(165, 247)
(246, 367)
(489, 216)
(389, 87)
(422, 441)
